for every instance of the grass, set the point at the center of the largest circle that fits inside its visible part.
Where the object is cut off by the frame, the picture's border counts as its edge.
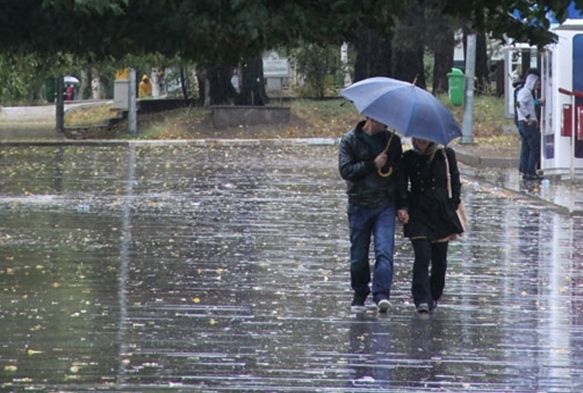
(309, 118)
(89, 116)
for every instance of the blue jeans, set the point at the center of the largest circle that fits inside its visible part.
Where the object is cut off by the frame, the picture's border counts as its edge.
(379, 223)
(529, 147)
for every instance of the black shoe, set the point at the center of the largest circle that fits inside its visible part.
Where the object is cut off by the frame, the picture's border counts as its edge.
(357, 304)
(532, 177)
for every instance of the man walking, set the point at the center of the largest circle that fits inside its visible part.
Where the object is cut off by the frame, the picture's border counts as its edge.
(369, 158)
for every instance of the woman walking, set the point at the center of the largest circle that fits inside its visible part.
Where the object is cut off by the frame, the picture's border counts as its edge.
(431, 181)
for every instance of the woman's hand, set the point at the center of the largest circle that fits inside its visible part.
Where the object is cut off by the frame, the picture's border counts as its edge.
(403, 215)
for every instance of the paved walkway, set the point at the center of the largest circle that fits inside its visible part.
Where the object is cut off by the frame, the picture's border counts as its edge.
(222, 267)
(501, 170)
(34, 123)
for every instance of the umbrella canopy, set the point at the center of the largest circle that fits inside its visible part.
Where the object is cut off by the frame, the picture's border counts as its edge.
(70, 79)
(404, 107)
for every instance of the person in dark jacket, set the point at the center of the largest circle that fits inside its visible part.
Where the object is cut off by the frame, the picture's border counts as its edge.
(430, 217)
(369, 158)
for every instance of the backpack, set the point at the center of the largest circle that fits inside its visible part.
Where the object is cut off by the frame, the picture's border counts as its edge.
(517, 86)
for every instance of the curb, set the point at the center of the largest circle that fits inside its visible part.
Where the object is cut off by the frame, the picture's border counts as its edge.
(484, 162)
(193, 142)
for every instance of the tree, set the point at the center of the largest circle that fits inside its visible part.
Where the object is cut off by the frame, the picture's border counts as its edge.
(409, 46)
(499, 17)
(223, 34)
(482, 64)
(252, 86)
(373, 54)
(440, 38)
(316, 63)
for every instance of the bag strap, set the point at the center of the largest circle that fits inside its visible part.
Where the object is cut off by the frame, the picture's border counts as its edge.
(449, 191)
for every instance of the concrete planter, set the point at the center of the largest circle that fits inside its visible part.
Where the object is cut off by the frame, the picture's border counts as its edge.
(235, 115)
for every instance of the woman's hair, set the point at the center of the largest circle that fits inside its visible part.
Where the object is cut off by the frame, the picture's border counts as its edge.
(430, 150)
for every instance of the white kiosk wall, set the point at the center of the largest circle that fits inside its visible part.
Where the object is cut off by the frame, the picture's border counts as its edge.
(562, 68)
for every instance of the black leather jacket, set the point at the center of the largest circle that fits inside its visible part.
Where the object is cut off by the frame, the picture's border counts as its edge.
(364, 185)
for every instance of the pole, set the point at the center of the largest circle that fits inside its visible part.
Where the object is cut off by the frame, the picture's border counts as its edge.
(132, 104)
(467, 136)
(60, 104)
(573, 131)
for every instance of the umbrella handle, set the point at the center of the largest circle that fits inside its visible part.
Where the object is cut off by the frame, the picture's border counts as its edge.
(389, 173)
(386, 149)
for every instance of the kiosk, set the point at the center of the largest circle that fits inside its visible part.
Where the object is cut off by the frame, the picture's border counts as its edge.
(562, 89)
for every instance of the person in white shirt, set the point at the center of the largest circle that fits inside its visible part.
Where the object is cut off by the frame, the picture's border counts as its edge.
(528, 128)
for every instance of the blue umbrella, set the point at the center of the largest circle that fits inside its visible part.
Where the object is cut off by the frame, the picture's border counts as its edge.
(404, 107)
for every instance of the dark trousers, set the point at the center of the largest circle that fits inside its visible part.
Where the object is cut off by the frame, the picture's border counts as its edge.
(529, 147)
(427, 287)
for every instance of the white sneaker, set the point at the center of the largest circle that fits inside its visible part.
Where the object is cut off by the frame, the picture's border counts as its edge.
(423, 308)
(383, 305)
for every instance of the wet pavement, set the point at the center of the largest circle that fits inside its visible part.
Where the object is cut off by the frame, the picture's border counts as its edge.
(223, 267)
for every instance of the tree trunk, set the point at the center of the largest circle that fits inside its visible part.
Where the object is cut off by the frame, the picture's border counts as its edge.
(482, 69)
(155, 82)
(373, 55)
(83, 87)
(222, 91)
(203, 88)
(252, 86)
(95, 84)
(408, 46)
(183, 82)
(440, 38)
(408, 66)
(443, 62)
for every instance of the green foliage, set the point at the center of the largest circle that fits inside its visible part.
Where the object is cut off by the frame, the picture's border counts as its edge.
(319, 66)
(86, 6)
(16, 74)
(495, 17)
(221, 33)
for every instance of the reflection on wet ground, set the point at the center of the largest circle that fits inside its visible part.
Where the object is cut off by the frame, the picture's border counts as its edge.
(184, 268)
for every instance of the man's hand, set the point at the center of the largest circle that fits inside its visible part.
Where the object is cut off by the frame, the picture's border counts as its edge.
(380, 160)
(403, 215)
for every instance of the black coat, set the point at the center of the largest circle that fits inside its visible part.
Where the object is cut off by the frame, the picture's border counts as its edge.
(364, 186)
(432, 214)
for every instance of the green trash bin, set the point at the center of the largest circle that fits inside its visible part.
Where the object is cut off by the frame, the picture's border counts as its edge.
(456, 79)
(50, 89)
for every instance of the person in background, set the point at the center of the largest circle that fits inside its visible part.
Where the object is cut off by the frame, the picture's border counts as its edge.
(431, 180)
(145, 87)
(369, 159)
(70, 92)
(528, 127)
